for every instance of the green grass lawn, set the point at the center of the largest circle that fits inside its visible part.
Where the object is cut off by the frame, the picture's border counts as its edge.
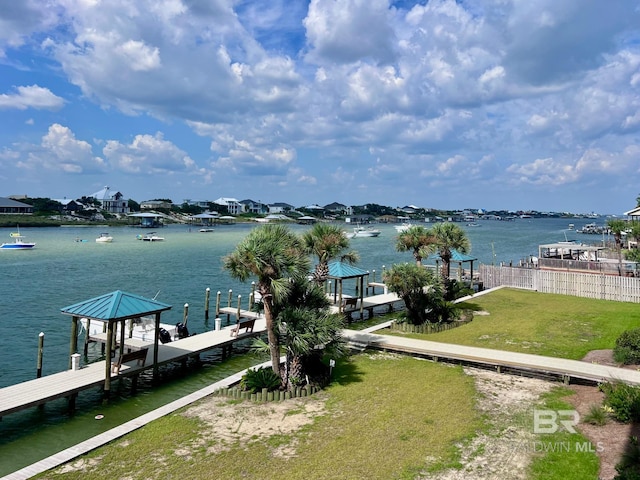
(387, 417)
(544, 324)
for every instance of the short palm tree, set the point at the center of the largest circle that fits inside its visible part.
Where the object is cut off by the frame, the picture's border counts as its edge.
(327, 242)
(274, 255)
(416, 239)
(448, 237)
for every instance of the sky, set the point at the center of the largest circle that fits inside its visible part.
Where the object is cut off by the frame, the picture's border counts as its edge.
(493, 104)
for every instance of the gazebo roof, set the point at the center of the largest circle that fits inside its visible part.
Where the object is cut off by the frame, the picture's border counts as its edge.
(344, 270)
(456, 256)
(116, 305)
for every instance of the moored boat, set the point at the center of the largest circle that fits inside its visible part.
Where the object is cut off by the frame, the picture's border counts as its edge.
(104, 238)
(362, 232)
(18, 242)
(150, 237)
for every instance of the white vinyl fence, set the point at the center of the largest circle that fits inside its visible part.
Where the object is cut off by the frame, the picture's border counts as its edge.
(588, 285)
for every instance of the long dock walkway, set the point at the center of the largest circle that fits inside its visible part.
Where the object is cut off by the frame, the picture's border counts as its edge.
(558, 367)
(70, 382)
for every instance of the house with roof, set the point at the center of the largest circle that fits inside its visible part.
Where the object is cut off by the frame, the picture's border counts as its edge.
(69, 205)
(234, 207)
(280, 207)
(251, 206)
(9, 206)
(336, 207)
(111, 201)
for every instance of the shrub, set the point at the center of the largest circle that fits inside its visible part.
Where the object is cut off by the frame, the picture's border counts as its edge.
(255, 380)
(629, 466)
(597, 415)
(623, 399)
(627, 349)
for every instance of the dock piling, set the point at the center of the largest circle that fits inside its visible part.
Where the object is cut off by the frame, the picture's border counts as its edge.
(40, 352)
(185, 317)
(206, 304)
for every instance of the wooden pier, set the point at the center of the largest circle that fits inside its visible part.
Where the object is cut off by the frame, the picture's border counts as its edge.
(69, 383)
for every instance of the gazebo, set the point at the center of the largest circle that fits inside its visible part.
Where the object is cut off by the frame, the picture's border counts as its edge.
(340, 271)
(147, 219)
(205, 219)
(459, 258)
(117, 306)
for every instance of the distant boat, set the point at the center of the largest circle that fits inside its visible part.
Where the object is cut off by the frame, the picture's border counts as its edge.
(473, 224)
(150, 237)
(205, 230)
(571, 226)
(362, 232)
(104, 238)
(18, 242)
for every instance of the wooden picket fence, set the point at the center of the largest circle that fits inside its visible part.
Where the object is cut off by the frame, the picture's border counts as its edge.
(265, 395)
(587, 285)
(426, 327)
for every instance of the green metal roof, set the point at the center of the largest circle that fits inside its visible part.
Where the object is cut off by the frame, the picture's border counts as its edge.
(344, 270)
(116, 305)
(456, 256)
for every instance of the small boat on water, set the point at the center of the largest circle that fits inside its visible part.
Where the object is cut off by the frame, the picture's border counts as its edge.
(104, 238)
(150, 237)
(362, 232)
(18, 242)
(205, 230)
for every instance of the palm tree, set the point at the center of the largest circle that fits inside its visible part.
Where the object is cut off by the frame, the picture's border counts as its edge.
(449, 237)
(417, 286)
(327, 242)
(417, 239)
(274, 255)
(307, 331)
(616, 227)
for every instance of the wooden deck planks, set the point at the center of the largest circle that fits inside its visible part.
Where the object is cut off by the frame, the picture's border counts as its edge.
(63, 384)
(525, 361)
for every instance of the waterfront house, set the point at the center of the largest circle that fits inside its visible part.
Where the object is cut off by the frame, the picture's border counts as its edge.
(251, 206)
(9, 206)
(111, 201)
(280, 207)
(234, 207)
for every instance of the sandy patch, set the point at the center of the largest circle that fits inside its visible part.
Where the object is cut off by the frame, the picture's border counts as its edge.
(500, 452)
(231, 422)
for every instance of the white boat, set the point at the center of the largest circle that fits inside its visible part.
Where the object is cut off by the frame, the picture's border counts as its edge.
(104, 238)
(18, 242)
(205, 230)
(150, 237)
(362, 232)
(403, 227)
(142, 329)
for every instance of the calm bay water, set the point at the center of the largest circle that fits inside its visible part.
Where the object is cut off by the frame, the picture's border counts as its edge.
(61, 271)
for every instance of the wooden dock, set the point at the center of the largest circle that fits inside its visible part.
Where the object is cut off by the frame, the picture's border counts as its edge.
(69, 383)
(388, 300)
(501, 360)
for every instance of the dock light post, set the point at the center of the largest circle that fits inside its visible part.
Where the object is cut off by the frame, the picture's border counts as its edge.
(185, 318)
(40, 352)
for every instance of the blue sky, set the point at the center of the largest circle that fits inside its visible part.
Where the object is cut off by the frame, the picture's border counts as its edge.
(492, 104)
